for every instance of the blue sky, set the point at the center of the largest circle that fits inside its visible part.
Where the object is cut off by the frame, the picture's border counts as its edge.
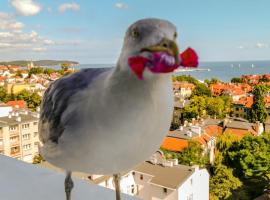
(92, 31)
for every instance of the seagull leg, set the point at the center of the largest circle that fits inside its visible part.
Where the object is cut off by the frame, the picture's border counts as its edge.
(68, 185)
(116, 179)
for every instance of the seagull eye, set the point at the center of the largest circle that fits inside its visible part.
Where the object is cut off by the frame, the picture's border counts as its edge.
(175, 35)
(135, 33)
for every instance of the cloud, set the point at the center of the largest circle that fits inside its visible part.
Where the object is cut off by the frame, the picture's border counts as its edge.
(22, 40)
(69, 6)
(260, 45)
(8, 22)
(26, 7)
(39, 49)
(120, 5)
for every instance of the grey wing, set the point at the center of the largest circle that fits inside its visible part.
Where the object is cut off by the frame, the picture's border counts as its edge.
(56, 99)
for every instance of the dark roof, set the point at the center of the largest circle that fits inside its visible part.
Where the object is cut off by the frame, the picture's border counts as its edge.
(168, 177)
(6, 121)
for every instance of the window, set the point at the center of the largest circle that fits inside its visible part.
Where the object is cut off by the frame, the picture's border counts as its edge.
(133, 173)
(36, 144)
(237, 109)
(25, 126)
(35, 123)
(26, 136)
(191, 181)
(14, 139)
(132, 189)
(26, 146)
(141, 177)
(190, 197)
(13, 128)
(15, 150)
(165, 190)
(35, 134)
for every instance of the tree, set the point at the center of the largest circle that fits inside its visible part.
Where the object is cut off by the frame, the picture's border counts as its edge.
(48, 71)
(250, 159)
(237, 80)
(215, 107)
(193, 155)
(195, 108)
(225, 141)
(34, 101)
(201, 90)
(38, 159)
(223, 183)
(258, 109)
(212, 81)
(35, 70)
(3, 94)
(186, 78)
(251, 156)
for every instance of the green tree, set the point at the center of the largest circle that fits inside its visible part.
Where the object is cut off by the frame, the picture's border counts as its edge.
(237, 80)
(201, 90)
(225, 141)
(193, 155)
(215, 107)
(223, 183)
(3, 94)
(48, 71)
(34, 101)
(212, 81)
(250, 159)
(258, 109)
(38, 159)
(35, 70)
(23, 95)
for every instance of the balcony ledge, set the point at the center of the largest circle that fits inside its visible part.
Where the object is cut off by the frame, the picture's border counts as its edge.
(20, 180)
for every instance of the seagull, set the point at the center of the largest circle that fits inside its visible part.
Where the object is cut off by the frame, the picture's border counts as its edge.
(108, 120)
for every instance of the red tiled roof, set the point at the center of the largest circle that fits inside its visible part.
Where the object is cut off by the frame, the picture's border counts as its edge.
(174, 144)
(213, 130)
(19, 103)
(239, 132)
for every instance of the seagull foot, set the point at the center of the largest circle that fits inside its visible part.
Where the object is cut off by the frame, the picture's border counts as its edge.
(68, 185)
(116, 179)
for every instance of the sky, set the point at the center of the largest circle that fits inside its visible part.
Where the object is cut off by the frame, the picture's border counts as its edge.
(92, 32)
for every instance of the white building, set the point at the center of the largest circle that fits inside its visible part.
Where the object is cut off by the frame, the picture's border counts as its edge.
(162, 180)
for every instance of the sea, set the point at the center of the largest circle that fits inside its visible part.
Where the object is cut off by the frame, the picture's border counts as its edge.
(223, 71)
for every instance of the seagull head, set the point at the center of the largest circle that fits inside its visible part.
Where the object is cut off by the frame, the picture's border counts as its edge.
(150, 45)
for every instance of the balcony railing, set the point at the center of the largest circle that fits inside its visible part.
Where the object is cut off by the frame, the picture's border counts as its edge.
(14, 133)
(14, 143)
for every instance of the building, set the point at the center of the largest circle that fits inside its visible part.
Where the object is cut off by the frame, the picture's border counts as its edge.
(161, 179)
(5, 110)
(204, 133)
(179, 105)
(241, 127)
(19, 135)
(17, 104)
(183, 89)
(14, 88)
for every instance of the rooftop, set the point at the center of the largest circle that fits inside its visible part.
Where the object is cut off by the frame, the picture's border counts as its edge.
(169, 177)
(6, 121)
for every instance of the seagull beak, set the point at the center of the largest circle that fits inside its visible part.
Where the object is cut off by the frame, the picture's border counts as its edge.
(166, 45)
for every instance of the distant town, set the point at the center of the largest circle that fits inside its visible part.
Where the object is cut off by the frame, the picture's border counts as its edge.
(217, 146)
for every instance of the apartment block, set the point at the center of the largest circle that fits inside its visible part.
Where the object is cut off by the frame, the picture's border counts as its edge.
(19, 135)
